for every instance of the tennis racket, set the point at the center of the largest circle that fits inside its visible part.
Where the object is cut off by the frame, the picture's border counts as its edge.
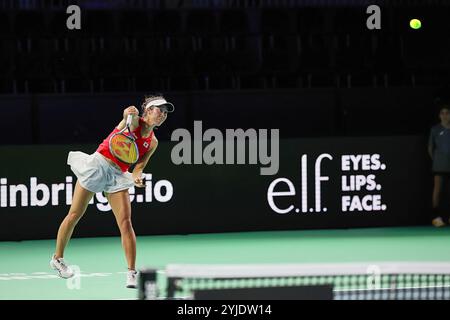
(123, 146)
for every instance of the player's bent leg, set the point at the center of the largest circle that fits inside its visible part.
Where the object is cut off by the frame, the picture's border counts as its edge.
(120, 205)
(80, 202)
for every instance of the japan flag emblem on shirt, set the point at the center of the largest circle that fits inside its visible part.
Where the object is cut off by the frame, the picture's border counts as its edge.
(145, 144)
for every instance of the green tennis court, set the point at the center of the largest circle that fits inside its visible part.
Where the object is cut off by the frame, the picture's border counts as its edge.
(25, 272)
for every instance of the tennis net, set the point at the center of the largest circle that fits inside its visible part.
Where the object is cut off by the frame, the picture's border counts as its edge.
(346, 281)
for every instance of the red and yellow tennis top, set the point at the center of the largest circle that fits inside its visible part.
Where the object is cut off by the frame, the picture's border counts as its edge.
(143, 145)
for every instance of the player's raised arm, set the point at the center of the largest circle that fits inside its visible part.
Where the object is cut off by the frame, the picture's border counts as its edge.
(127, 111)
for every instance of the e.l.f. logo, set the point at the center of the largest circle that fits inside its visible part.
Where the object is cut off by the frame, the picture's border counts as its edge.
(318, 179)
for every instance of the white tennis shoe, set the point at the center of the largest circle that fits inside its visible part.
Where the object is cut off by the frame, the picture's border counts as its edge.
(64, 271)
(132, 279)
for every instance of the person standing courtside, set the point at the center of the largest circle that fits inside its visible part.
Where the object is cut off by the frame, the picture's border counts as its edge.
(439, 150)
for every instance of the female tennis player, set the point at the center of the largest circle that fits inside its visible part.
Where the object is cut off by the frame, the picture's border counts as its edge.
(102, 171)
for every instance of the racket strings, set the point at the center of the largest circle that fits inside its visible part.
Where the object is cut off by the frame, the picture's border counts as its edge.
(124, 149)
(132, 153)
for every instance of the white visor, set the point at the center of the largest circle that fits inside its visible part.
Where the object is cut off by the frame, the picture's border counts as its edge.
(161, 102)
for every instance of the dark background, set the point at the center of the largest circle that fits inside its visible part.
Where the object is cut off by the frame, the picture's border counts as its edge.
(309, 68)
(227, 63)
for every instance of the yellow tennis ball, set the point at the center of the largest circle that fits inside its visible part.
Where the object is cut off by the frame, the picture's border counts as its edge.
(415, 24)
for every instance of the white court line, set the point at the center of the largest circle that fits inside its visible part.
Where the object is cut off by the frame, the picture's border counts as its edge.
(40, 273)
(47, 275)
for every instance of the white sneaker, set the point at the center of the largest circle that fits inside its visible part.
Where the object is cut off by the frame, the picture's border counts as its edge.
(132, 279)
(64, 271)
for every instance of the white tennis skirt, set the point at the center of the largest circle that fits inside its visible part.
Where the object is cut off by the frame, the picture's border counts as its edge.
(96, 174)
